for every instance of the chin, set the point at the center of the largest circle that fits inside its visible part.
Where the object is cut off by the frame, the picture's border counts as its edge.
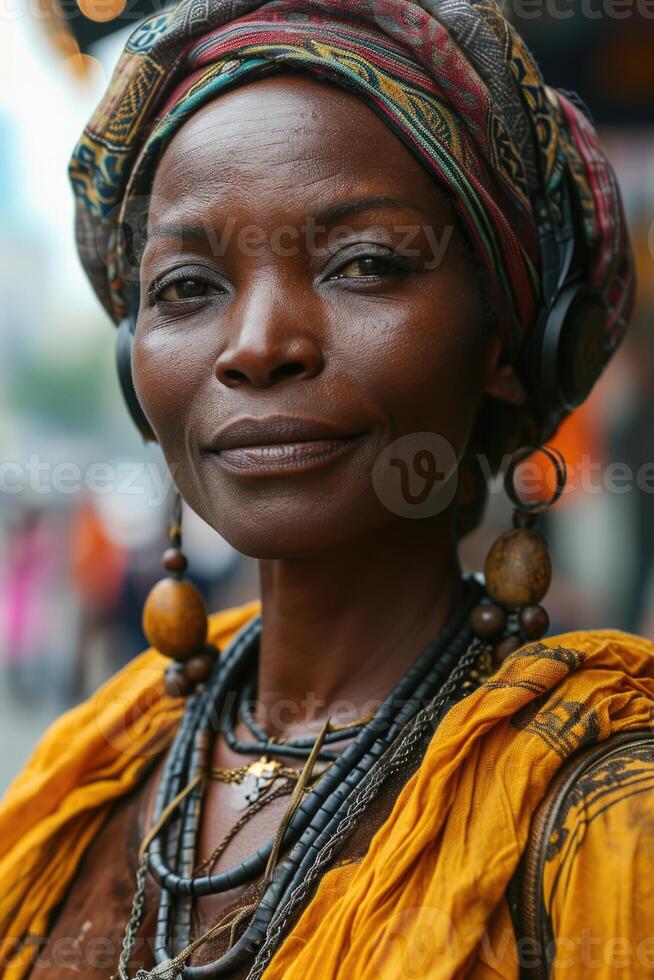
(291, 526)
(293, 515)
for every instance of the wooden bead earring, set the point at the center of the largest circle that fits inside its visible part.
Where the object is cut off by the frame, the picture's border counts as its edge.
(175, 618)
(518, 569)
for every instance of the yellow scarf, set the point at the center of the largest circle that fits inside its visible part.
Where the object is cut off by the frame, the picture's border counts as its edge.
(436, 872)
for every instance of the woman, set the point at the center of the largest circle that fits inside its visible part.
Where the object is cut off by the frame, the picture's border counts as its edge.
(335, 272)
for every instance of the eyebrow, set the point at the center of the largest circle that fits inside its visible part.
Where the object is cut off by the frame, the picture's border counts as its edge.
(326, 216)
(194, 232)
(335, 211)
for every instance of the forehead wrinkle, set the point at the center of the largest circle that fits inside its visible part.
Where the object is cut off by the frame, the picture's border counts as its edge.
(232, 160)
(228, 160)
(202, 186)
(222, 121)
(299, 138)
(210, 203)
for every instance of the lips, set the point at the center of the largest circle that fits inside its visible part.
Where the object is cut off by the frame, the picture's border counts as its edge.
(275, 430)
(276, 443)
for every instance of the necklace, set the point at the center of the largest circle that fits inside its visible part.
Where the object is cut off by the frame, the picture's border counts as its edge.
(404, 757)
(337, 733)
(255, 807)
(168, 851)
(254, 780)
(298, 748)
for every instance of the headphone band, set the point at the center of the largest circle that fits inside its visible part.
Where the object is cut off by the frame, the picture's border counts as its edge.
(124, 346)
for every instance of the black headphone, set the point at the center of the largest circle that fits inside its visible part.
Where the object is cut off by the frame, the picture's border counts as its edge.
(124, 345)
(564, 352)
(567, 348)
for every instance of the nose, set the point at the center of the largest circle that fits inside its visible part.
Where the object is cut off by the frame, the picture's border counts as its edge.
(273, 342)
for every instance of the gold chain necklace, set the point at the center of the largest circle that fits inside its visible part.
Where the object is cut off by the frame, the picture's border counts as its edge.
(255, 779)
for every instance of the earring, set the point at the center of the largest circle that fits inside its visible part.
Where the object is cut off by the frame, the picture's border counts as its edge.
(175, 618)
(518, 569)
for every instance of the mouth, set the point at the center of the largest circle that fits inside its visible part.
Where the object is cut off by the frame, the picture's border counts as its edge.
(280, 444)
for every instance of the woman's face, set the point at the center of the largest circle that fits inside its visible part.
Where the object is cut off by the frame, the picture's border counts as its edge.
(306, 300)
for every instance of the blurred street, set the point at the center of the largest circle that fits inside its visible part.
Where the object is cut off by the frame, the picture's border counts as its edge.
(22, 726)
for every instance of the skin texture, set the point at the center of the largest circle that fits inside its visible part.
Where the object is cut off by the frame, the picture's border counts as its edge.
(245, 314)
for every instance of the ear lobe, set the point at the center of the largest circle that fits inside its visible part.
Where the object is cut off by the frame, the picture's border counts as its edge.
(501, 379)
(504, 384)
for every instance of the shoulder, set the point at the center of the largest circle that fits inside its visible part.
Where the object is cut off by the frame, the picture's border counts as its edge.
(123, 723)
(615, 652)
(598, 868)
(608, 641)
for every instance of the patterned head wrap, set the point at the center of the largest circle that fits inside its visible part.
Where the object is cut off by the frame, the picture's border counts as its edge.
(452, 79)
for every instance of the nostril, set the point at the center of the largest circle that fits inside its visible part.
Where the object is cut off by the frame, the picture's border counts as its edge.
(260, 374)
(289, 370)
(234, 375)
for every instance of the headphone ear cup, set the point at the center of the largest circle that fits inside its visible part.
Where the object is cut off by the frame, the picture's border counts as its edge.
(583, 348)
(567, 353)
(124, 342)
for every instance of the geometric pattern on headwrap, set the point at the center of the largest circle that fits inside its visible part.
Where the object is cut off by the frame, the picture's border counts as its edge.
(397, 88)
(451, 77)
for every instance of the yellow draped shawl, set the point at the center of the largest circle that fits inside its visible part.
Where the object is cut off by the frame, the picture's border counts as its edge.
(428, 899)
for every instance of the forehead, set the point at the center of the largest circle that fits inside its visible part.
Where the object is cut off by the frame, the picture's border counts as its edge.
(287, 141)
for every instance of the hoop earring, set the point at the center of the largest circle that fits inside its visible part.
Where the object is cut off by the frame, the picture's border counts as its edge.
(175, 618)
(518, 569)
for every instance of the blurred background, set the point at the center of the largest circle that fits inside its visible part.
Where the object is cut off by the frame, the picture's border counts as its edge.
(84, 503)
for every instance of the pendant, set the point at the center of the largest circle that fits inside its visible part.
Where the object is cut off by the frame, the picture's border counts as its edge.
(257, 779)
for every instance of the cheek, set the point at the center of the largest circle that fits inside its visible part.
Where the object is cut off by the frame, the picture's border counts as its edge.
(170, 366)
(425, 363)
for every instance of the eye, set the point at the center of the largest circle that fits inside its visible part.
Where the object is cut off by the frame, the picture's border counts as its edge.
(371, 267)
(182, 289)
(183, 286)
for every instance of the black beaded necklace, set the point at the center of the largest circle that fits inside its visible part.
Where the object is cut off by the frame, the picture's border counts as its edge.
(169, 851)
(295, 747)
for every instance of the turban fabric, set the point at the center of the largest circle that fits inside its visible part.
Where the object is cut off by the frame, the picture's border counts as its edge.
(451, 78)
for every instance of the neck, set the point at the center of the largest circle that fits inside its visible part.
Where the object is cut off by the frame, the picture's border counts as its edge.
(340, 630)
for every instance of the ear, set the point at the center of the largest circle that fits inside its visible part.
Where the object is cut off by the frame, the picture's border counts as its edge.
(501, 380)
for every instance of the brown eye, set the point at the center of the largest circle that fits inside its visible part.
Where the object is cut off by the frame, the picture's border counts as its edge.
(366, 266)
(184, 289)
